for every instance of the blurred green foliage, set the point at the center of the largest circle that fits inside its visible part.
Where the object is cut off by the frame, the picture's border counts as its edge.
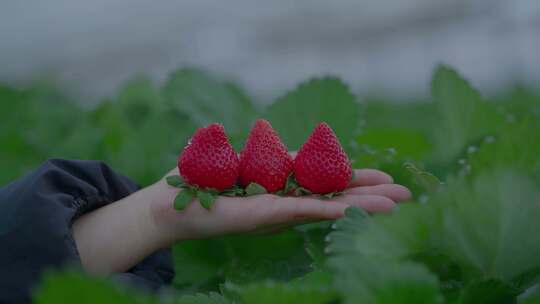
(471, 240)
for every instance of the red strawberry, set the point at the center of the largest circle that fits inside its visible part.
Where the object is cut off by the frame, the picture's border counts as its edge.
(321, 165)
(209, 161)
(265, 159)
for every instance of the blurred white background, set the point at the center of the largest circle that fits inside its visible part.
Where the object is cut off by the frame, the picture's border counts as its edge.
(387, 47)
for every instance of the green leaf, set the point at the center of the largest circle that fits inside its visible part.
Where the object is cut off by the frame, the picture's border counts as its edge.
(157, 137)
(314, 288)
(382, 281)
(479, 229)
(486, 226)
(471, 241)
(211, 298)
(36, 124)
(355, 214)
(425, 179)
(240, 259)
(183, 198)
(206, 100)
(206, 198)
(138, 100)
(513, 147)
(488, 291)
(388, 160)
(368, 258)
(331, 195)
(409, 114)
(114, 125)
(464, 116)
(406, 143)
(315, 241)
(75, 287)
(290, 184)
(256, 258)
(526, 279)
(522, 102)
(235, 191)
(249, 271)
(254, 189)
(202, 263)
(174, 180)
(300, 191)
(157, 142)
(531, 296)
(326, 99)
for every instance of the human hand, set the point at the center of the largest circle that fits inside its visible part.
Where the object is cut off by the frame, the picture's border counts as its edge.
(116, 237)
(371, 190)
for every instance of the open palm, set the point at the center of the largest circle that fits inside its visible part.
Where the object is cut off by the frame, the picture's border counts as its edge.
(371, 190)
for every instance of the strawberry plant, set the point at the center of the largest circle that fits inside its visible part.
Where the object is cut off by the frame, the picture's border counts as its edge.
(473, 164)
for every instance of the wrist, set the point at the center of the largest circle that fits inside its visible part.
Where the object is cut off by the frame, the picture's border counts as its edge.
(163, 216)
(114, 238)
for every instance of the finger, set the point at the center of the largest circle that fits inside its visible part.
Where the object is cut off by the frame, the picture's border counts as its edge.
(308, 208)
(395, 192)
(370, 177)
(370, 203)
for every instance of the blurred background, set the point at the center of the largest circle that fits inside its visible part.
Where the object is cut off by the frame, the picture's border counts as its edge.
(128, 81)
(381, 47)
(97, 79)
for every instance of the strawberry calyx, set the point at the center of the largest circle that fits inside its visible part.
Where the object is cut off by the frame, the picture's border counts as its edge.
(254, 189)
(331, 194)
(251, 189)
(293, 188)
(291, 185)
(206, 196)
(234, 191)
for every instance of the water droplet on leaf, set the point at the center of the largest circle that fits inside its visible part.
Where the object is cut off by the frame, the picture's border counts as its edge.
(489, 139)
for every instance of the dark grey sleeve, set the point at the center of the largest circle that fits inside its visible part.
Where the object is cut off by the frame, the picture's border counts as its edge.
(36, 214)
